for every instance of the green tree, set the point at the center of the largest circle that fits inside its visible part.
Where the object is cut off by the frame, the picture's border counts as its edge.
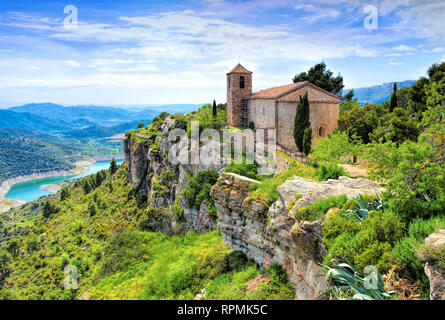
(141, 125)
(307, 140)
(322, 78)
(113, 166)
(92, 209)
(393, 103)
(5, 270)
(214, 110)
(64, 193)
(49, 208)
(164, 115)
(301, 121)
(349, 96)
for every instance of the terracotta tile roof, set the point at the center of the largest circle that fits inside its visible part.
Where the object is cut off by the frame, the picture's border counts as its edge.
(239, 69)
(277, 92)
(292, 92)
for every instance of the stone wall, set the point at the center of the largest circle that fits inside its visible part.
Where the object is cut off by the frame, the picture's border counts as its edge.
(262, 113)
(322, 115)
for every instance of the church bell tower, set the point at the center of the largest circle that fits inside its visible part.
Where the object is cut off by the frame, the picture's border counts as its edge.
(239, 87)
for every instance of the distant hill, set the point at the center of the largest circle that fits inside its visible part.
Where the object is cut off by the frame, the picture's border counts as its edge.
(103, 132)
(377, 94)
(22, 156)
(85, 116)
(28, 121)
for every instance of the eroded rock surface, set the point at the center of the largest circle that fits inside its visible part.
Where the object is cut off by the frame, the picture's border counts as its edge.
(434, 273)
(271, 235)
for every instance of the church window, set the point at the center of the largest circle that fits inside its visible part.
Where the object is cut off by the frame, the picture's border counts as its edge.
(242, 81)
(321, 132)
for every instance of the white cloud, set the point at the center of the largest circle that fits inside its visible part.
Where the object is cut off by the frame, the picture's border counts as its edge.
(72, 63)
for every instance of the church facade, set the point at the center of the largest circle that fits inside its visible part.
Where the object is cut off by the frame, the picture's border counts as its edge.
(275, 108)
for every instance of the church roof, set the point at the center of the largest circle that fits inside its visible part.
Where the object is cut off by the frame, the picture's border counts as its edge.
(239, 69)
(292, 92)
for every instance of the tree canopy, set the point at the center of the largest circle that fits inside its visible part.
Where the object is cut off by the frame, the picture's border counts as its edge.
(323, 78)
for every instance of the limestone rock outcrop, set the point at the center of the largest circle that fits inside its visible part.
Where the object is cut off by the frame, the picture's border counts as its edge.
(272, 235)
(435, 273)
(269, 236)
(159, 182)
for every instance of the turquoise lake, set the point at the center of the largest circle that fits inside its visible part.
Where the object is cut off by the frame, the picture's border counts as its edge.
(30, 190)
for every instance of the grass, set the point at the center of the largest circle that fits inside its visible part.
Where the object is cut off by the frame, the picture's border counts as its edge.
(266, 193)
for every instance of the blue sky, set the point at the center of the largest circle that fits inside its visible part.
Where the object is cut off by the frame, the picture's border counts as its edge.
(161, 52)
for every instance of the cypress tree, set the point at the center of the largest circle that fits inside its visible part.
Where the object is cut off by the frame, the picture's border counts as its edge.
(393, 102)
(301, 121)
(113, 166)
(214, 109)
(307, 140)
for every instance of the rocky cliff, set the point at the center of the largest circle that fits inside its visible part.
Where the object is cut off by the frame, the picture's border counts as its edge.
(160, 183)
(272, 235)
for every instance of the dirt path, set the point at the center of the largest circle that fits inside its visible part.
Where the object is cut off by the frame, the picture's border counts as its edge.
(354, 171)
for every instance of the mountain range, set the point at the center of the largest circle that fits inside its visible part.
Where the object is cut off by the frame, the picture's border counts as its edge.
(377, 94)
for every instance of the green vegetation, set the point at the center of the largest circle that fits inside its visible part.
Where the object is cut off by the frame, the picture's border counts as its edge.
(23, 156)
(322, 78)
(102, 234)
(348, 285)
(265, 192)
(198, 189)
(318, 209)
(329, 171)
(301, 122)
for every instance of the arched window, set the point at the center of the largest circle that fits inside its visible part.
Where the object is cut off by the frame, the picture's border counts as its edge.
(242, 81)
(321, 131)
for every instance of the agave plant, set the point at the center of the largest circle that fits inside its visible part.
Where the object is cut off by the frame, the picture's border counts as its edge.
(364, 207)
(347, 284)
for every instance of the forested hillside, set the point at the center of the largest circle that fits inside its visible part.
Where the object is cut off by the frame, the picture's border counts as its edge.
(100, 227)
(22, 156)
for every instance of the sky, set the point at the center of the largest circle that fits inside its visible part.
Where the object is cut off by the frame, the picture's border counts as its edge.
(142, 52)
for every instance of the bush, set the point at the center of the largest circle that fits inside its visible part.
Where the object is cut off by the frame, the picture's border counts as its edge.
(199, 186)
(243, 169)
(405, 250)
(329, 171)
(367, 243)
(319, 208)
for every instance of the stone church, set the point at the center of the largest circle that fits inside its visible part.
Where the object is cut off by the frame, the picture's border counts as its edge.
(275, 108)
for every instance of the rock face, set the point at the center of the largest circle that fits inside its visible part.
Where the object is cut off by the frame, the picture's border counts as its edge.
(271, 235)
(156, 180)
(268, 236)
(433, 272)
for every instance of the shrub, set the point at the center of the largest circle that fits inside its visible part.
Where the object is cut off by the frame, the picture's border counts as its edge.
(367, 243)
(405, 250)
(329, 171)
(243, 169)
(199, 186)
(319, 208)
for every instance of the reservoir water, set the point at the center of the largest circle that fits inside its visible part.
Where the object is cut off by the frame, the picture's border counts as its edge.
(30, 190)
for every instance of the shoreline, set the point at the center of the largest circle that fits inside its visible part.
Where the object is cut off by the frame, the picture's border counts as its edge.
(7, 184)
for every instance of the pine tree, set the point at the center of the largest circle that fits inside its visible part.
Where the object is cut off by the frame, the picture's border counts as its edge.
(64, 193)
(113, 166)
(92, 209)
(393, 102)
(215, 112)
(307, 140)
(301, 121)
